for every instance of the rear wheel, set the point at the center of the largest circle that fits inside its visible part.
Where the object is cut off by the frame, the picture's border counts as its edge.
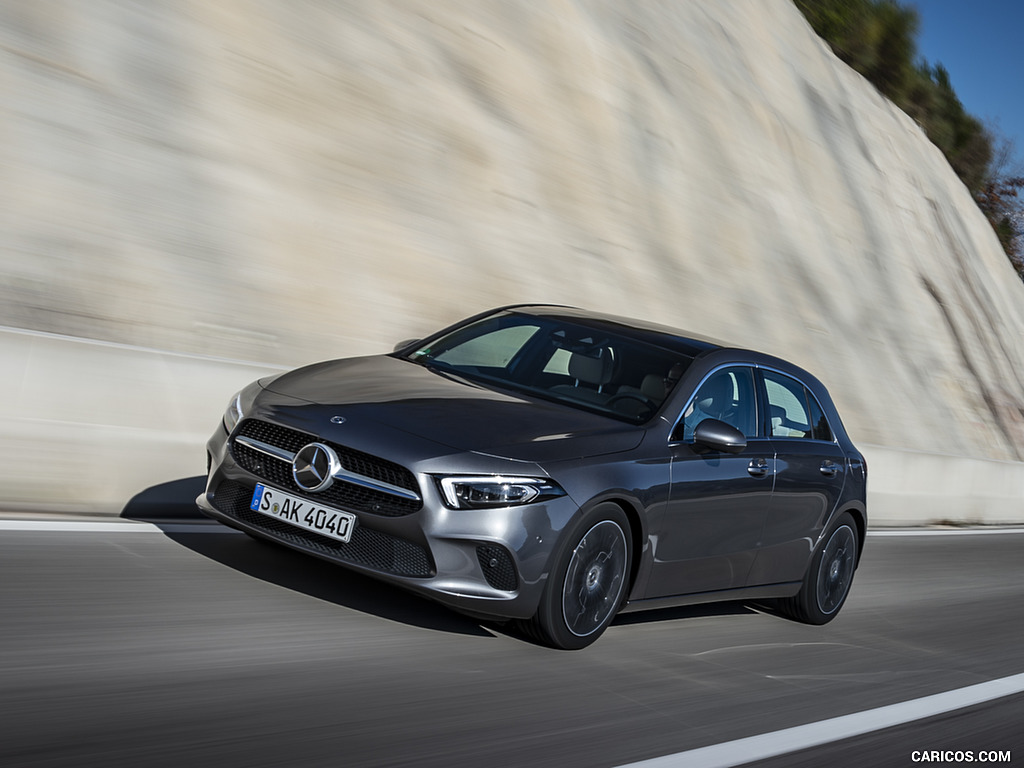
(588, 582)
(827, 581)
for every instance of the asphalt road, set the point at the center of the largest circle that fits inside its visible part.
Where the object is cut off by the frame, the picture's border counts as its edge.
(193, 649)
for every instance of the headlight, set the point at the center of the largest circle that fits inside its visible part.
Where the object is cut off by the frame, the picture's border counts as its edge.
(234, 412)
(496, 491)
(240, 404)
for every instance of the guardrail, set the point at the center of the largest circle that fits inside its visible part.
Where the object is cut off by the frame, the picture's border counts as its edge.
(87, 426)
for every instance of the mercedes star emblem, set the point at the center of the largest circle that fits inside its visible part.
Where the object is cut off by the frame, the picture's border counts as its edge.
(314, 466)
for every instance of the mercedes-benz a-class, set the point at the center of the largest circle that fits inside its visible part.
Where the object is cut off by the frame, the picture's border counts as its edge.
(554, 466)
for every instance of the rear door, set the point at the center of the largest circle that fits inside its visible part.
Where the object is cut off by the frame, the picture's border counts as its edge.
(810, 472)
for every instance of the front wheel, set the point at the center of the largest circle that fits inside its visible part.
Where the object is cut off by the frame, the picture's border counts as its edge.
(827, 581)
(588, 582)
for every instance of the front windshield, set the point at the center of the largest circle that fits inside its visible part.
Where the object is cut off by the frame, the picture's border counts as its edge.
(589, 368)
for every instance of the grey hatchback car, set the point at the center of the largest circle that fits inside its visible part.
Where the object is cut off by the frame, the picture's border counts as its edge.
(554, 466)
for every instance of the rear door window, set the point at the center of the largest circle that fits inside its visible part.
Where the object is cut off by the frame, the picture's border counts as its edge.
(792, 409)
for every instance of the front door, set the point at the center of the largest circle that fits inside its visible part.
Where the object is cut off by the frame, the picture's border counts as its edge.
(708, 538)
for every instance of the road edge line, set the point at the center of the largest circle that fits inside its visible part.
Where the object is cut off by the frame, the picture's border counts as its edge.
(729, 754)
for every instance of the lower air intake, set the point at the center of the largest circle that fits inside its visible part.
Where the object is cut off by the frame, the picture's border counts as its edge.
(368, 548)
(497, 566)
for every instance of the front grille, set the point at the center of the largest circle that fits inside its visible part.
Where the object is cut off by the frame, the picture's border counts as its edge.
(342, 494)
(497, 566)
(369, 548)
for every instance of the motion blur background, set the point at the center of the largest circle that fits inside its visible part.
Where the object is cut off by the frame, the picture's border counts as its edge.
(194, 194)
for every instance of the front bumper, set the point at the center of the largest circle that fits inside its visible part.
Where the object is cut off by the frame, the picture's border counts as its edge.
(491, 562)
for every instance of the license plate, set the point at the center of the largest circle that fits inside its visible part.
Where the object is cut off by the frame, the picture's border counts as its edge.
(303, 513)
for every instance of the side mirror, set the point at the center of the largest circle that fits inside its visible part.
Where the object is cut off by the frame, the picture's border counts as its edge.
(715, 435)
(403, 344)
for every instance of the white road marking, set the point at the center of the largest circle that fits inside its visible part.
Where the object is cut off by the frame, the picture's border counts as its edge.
(119, 526)
(883, 532)
(768, 745)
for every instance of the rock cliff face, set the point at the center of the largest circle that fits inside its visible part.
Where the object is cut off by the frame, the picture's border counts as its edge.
(289, 181)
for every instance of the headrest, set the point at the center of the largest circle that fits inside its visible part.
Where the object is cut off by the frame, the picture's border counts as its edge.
(592, 370)
(653, 387)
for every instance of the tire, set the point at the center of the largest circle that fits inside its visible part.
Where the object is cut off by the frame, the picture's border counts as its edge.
(587, 583)
(826, 583)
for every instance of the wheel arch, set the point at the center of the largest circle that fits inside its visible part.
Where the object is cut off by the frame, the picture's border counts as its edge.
(860, 518)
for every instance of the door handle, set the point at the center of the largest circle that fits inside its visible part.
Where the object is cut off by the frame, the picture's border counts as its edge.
(829, 468)
(758, 467)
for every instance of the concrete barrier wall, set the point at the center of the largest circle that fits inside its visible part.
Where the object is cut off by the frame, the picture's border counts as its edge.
(86, 427)
(907, 488)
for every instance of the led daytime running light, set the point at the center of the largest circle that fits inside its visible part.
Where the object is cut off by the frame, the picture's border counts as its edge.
(234, 412)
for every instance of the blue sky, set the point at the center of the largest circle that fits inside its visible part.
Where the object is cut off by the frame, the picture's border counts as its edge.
(980, 43)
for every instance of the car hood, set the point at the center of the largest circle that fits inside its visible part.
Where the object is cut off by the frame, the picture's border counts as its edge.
(454, 412)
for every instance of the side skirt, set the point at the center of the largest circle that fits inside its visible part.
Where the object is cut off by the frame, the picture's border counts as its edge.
(785, 589)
